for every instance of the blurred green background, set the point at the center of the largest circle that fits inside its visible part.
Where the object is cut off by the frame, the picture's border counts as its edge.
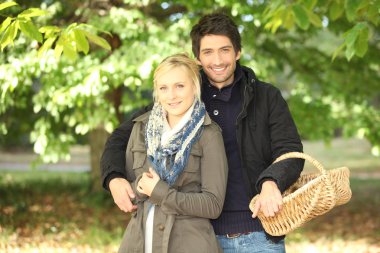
(72, 71)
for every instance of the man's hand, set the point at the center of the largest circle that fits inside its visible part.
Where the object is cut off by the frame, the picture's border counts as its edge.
(122, 194)
(147, 182)
(269, 200)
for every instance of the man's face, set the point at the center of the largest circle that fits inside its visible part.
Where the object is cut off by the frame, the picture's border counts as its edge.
(218, 59)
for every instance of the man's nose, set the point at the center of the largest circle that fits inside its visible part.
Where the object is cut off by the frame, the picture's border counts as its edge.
(218, 59)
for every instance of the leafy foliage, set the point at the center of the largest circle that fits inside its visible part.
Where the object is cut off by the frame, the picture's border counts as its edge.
(70, 40)
(323, 55)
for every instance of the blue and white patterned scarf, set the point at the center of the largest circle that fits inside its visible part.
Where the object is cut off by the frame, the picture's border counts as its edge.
(170, 160)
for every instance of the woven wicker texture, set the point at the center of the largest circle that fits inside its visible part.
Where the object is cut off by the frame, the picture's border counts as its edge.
(310, 196)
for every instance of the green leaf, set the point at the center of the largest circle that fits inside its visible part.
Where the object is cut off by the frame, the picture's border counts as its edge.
(9, 35)
(7, 5)
(81, 41)
(336, 10)
(300, 14)
(309, 4)
(15, 30)
(337, 51)
(350, 52)
(288, 20)
(69, 51)
(351, 7)
(46, 46)
(32, 12)
(97, 40)
(373, 14)
(5, 24)
(351, 36)
(314, 19)
(361, 45)
(71, 26)
(58, 48)
(90, 27)
(30, 30)
(49, 31)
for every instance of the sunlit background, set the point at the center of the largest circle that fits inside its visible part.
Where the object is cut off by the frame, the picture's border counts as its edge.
(72, 71)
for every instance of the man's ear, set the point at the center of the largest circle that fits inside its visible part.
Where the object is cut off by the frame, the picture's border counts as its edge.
(238, 55)
(198, 61)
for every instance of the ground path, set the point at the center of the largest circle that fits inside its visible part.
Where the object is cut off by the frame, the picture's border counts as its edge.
(353, 153)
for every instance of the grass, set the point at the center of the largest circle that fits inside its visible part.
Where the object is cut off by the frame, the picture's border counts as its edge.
(353, 227)
(53, 212)
(44, 211)
(54, 209)
(353, 153)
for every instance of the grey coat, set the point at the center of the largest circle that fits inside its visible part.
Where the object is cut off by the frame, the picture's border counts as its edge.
(182, 212)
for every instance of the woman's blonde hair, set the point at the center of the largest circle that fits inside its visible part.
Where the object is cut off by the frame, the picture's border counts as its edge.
(178, 60)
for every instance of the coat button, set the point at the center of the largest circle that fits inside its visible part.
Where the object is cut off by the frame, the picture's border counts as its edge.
(161, 227)
(216, 112)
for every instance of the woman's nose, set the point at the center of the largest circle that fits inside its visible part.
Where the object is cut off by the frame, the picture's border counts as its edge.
(172, 93)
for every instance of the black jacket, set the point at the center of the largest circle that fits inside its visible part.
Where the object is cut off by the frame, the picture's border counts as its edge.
(265, 130)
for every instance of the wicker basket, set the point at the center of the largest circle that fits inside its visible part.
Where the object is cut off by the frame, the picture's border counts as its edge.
(310, 196)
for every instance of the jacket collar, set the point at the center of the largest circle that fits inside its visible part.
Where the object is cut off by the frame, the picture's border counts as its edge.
(248, 92)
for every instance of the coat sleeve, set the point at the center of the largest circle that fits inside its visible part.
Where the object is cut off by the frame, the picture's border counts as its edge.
(130, 175)
(284, 138)
(209, 202)
(112, 162)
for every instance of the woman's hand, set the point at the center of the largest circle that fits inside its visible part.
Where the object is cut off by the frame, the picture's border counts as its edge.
(147, 182)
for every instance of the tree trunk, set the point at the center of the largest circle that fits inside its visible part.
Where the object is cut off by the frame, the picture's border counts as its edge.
(97, 139)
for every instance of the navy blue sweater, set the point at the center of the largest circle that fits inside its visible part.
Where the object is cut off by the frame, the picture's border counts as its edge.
(224, 106)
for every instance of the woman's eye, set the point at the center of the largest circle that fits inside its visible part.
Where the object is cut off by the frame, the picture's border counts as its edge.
(162, 88)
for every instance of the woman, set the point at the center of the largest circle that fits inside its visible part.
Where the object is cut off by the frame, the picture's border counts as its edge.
(176, 161)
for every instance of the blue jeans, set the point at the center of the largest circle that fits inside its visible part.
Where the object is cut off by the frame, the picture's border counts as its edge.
(254, 242)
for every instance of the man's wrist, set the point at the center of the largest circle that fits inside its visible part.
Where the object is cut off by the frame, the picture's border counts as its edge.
(111, 176)
(266, 179)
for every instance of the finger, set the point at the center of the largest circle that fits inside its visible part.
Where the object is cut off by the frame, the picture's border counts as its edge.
(149, 173)
(272, 209)
(139, 189)
(264, 209)
(126, 205)
(275, 208)
(256, 209)
(280, 202)
(130, 192)
(140, 186)
(154, 173)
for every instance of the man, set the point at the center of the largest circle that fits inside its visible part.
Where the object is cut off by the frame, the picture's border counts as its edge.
(257, 128)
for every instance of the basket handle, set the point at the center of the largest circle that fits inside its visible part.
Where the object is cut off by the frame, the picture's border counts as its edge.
(302, 156)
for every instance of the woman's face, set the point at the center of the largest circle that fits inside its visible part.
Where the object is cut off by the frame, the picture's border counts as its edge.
(175, 92)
